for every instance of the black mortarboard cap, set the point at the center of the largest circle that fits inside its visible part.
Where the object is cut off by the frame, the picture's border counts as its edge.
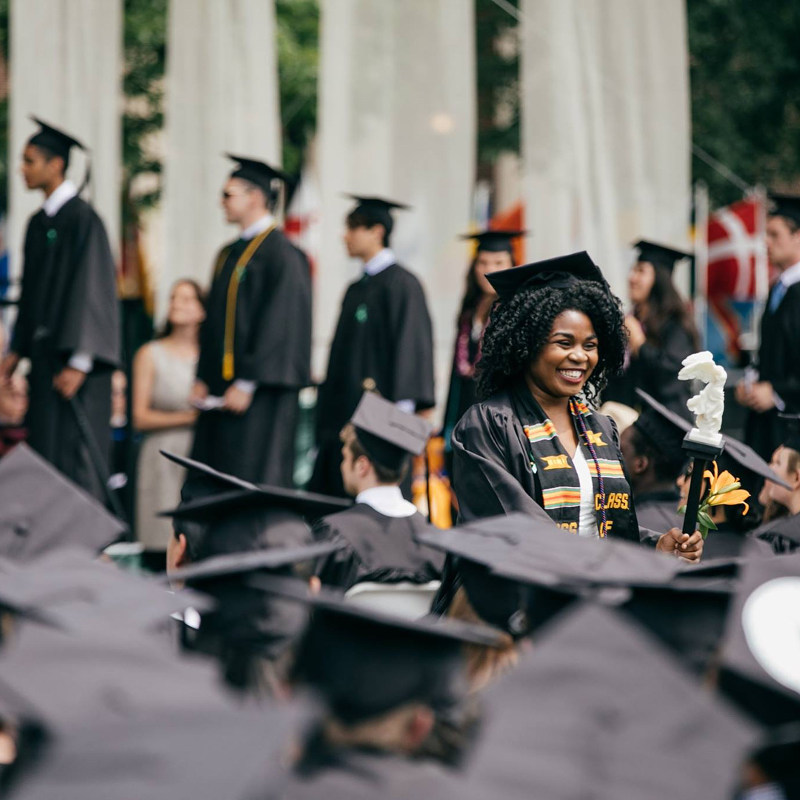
(258, 173)
(68, 589)
(387, 433)
(598, 708)
(785, 205)
(43, 510)
(760, 660)
(252, 561)
(229, 751)
(367, 662)
(56, 141)
(102, 674)
(375, 211)
(663, 436)
(791, 438)
(659, 255)
(494, 241)
(741, 453)
(558, 272)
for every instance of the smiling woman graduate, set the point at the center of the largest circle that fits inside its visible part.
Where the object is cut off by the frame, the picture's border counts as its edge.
(532, 443)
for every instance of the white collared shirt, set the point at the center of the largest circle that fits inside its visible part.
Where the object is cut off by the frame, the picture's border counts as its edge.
(259, 226)
(791, 275)
(380, 261)
(64, 192)
(387, 500)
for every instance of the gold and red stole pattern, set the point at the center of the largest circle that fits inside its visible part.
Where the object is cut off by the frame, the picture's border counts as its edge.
(558, 480)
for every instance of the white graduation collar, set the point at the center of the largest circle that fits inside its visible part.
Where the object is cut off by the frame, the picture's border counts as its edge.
(379, 262)
(791, 276)
(387, 500)
(61, 195)
(259, 226)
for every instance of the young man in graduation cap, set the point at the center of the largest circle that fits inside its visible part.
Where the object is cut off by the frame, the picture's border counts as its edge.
(255, 343)
(68, 322)
(383, 339)
(654, 457)
(775, 386)
(378, 534)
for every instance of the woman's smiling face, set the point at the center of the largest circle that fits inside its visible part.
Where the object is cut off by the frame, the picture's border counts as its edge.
(568, 358)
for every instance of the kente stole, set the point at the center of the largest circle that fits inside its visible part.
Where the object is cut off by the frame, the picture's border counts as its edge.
(558, 480)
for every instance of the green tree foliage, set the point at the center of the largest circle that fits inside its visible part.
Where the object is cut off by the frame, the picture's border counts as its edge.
(143, 84)
(497, 65)
(745, 78)
(298, 63)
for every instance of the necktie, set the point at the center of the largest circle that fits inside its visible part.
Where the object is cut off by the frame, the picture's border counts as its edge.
(777, 295)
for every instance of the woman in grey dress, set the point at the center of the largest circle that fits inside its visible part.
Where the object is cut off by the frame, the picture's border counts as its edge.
(163, 373)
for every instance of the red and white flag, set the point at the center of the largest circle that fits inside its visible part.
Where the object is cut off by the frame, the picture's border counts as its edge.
(303, 217)
(737, 267)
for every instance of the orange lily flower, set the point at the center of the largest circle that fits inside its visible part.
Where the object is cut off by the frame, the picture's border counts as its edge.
(725, 490)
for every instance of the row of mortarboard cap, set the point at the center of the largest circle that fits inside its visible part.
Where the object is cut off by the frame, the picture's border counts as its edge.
(589, 668)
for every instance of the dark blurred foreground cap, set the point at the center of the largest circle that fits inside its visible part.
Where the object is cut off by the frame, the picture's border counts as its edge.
(760, 667)
(388, 434)
(558, 272)
(598, 709)
(741, 453)
(659, 255)
(42, 510)
(366, 662)
(68, 589)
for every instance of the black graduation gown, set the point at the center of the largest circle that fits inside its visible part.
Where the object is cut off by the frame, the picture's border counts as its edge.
(376, 548)
(462, 391)
(384, 334)
(272, 347)
(354, 773)
(777, 363)
(658, 511)
(782, 534)
(655, 370)
(69, 305)
(492, 466)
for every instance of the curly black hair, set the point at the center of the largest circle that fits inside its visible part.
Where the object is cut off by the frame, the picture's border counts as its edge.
(518, 329)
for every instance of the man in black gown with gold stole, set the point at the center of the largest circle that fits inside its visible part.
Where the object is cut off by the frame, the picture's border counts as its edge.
(255, 343)
(383, 339)
(68, 323)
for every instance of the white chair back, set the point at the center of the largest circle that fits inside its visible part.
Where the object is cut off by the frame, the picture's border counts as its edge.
(409, 600)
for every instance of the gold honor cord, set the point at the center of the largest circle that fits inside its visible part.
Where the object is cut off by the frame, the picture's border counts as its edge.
(233, 294)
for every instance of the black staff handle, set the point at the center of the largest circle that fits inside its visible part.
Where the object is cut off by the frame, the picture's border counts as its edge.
(693, 501)
(701, 453)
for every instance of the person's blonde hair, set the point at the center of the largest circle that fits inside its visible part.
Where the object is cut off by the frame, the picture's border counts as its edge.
(483, 664)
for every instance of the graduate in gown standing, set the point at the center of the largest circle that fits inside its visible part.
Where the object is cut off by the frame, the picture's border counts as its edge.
(255, 343)
(661, 332)
(383, 339)
(494, 252)
(68, 323)
(775, 387)
(378, 534)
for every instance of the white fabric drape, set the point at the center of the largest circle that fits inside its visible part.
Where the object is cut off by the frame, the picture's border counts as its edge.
(221, 97)
(66, 68)
(397, 119)
(605, 127)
